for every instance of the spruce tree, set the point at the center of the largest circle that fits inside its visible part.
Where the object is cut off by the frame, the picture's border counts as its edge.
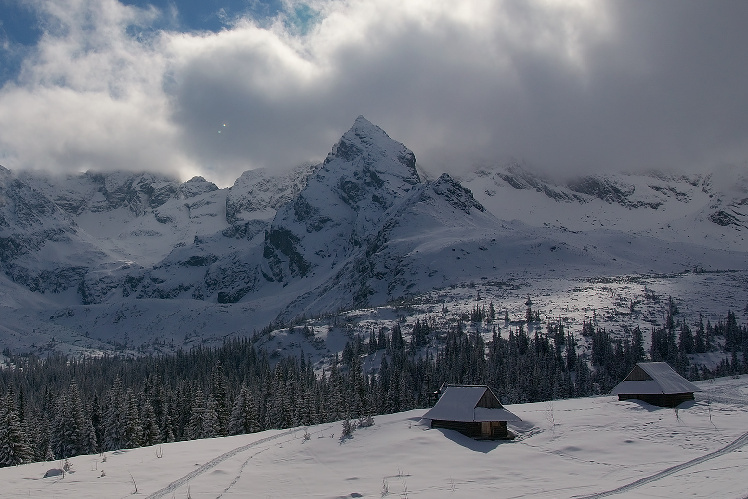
(244, 413)
(685, 339)
(133, 429)
(700, 340)
(195, 427)
(14, 444)
(151, 433)
(211, 424)
(114, 417)
(219, 390)
(71, 433)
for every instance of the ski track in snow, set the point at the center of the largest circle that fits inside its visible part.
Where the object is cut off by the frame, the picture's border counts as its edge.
(239, 475)
(736, 444)
(173, 486)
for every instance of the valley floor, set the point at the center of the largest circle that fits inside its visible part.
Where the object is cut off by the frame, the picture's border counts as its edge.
(589, 447)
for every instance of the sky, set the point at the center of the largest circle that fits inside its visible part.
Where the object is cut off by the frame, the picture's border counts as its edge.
(217, 87)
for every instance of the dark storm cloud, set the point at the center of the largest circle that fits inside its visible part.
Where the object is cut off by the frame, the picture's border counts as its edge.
(567, 85)
(666, 90)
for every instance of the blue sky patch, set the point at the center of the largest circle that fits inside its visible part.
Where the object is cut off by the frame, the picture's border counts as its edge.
(21, 27)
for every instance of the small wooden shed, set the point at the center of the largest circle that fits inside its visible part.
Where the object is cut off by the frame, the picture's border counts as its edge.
(655, 383)
(473, 410)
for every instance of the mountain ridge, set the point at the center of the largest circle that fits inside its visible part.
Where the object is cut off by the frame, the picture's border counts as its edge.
(361, 229)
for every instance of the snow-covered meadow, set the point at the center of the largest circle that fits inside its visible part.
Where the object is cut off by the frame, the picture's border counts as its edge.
(588, 447)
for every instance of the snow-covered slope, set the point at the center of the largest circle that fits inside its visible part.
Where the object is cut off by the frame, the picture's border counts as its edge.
(99, 258)
(581, 448)
(709, 210)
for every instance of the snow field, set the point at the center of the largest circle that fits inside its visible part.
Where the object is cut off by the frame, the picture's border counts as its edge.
(590, 447)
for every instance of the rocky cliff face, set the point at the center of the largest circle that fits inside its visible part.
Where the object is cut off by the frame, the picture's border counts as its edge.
(258, 194)
(364, 175)
(41, 247)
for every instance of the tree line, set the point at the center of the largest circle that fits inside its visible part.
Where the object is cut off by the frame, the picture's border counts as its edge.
(58, 407)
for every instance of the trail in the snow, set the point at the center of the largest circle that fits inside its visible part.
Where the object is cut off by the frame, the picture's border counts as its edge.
(739, 442)
(239, 475)
(173, 486)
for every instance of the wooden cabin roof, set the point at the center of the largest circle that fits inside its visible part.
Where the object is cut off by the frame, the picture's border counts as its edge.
(650, 378)
(472, 403)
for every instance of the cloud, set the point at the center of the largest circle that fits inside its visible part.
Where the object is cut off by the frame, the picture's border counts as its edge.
(567, 85)
(443, 78)
(91, 94)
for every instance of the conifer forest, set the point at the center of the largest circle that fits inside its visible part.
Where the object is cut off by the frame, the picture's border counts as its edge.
(58, 407)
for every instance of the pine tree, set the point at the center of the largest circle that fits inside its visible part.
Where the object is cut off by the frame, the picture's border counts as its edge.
(211, 424)
(72, 432)
(219, 387)
(398, 343)
(335, 401)
(732, 333)
(97, 421)
(90, 443)
(372, 342)
(382, 339)
(700, 340)
(685, 340)
(39, 438)
(583, 381)
(167, 425)
(528, 313)
(195, 427)
(114, 417)
(637, 345)
(672, 311)
(133, 429)
(14, 444)
(151, 433)
(244, 413)
(347, 429)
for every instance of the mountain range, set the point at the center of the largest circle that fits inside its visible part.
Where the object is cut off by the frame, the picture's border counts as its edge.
(97, 261)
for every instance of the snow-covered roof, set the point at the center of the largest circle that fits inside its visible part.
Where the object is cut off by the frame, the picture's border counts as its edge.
(649, 378)
(460, 403)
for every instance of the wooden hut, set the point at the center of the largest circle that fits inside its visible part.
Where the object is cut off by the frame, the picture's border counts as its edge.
(473, 410)
(655, 383)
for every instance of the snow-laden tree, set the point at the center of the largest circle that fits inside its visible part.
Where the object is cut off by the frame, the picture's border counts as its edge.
(14, 445)
(219, 390)
(132, 435)
(151, 433)
(211, 423)
(195, 425)
(244, 413)
(72, 432)
(114, 417)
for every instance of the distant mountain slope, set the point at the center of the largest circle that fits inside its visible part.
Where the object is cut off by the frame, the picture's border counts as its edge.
(102, 252)
(708, 210)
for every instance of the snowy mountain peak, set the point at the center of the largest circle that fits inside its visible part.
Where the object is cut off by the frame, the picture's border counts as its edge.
(196, 186)
(457, 195)
(360, 229)
(343, 203)
(366, 145)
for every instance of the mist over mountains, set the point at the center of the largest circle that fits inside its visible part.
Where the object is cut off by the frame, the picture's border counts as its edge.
(101, 258)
